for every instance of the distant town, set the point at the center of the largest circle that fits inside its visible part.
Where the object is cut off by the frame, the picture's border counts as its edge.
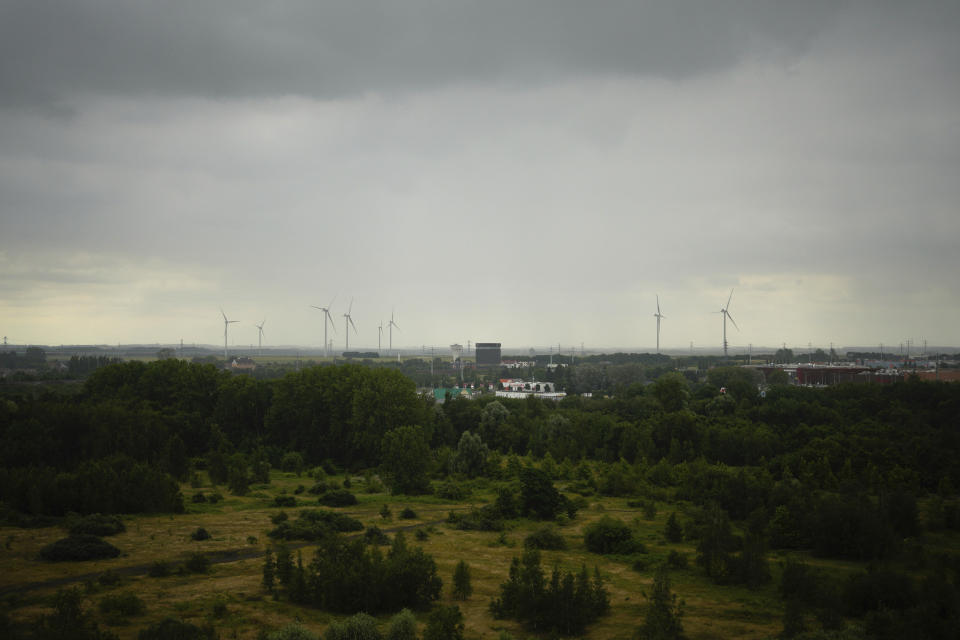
(488, 367)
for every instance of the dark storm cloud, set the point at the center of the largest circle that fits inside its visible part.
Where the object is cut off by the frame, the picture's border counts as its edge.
(50, 49)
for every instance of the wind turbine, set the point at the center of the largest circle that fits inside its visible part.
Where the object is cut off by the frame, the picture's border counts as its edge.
(226, 323)
(326, 319)
(391, 325)
(658, 316)
(260, 337)
(379, 337)
(347, 323)
(726, 314)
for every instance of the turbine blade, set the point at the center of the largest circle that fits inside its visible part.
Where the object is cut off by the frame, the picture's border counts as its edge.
(733, 321)
(658, 305)
(352, 325)
(728, 299)
(350, 308)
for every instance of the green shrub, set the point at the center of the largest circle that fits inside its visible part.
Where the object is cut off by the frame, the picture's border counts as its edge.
(403, 626)
(444, 623)
(284, 501)
(610, 535)
(319, 487)
(215, 497)
(545, 538)
(79, 547)
(292, 462)
(172, 629)
(452, 491)
(197, 563)
(357, 627)
(313, 524)
(198, 497)
(374, 535)
(220, 609)
(677, 560)
(200, 534)
(672, 530)
(337, 498)
(462, 587)
(485, 518)
(159, 569)
(123, 605)
(408, 514)
(98, 525)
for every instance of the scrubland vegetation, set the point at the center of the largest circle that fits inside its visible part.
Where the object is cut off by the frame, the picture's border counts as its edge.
(336, 501)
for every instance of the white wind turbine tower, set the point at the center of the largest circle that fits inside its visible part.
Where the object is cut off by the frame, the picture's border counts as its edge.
(658, 316)
(226, 323)
(347, 323)
(391, 325)
(726, 314)
(260, 337)
(327, 319)
(379, 336)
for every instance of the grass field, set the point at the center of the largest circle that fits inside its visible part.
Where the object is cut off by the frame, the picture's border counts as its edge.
(231, 598)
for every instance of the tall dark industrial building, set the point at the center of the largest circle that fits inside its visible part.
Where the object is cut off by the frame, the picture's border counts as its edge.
(488, 354)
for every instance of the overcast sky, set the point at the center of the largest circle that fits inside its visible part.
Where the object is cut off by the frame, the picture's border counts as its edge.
(531, 173)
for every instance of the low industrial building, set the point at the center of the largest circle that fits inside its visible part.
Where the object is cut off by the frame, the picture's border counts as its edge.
(488, 354)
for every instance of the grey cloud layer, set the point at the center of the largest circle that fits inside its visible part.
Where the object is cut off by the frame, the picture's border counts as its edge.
(470, 161)
(51, 49)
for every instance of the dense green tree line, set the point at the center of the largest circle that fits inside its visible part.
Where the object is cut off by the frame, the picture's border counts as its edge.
(782, 453)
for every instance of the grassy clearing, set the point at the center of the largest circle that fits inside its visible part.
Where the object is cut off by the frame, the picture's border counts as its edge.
(230, 596)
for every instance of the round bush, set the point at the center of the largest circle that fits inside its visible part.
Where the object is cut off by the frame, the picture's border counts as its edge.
(337, 498)
(318, 488)
(408, 514)
(284, 501)
(98, 525)
(79, 547)
(545, 538)
(200, 534)
(609, 535)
